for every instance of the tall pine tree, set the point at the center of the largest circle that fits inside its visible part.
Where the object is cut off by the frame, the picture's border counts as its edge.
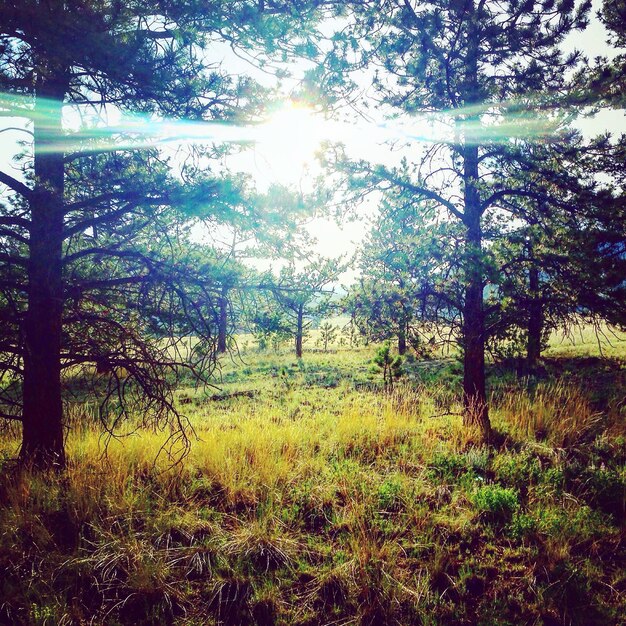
(481, 69)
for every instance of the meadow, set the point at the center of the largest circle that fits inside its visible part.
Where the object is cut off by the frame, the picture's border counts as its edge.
(311, 495)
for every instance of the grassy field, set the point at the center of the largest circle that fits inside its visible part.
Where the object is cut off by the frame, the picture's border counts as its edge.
(312, 496)
(586, 340)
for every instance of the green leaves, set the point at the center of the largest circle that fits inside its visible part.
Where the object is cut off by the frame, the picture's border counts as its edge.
(391, 365)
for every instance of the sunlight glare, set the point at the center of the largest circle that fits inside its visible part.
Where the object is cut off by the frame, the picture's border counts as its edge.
(287, 142)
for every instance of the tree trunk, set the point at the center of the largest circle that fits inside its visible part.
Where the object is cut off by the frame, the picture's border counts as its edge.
(476, 412)
(535, 321)
(42, 435)
(299, 331)
(223, 321)
(402, 342)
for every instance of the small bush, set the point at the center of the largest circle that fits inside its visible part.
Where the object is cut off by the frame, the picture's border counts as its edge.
(496, 503)
(517, 470)
(523, 526)
(391, 366)
(447, 465)
(390, 494)
(452, 467)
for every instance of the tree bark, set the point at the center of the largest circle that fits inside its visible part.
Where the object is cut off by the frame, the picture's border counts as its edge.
(535, 321)
(476, 411)
(402, 342)
(474, 388)
(299, 331)
(222, 333)
(42, 419)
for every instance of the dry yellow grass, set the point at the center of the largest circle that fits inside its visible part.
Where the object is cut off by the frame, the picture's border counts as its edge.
(315, 502)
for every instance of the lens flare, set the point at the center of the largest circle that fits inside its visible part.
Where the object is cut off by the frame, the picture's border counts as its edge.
(288, 139)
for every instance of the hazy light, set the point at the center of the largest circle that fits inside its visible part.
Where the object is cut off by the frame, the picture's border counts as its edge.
(287, 140)
(286, 143)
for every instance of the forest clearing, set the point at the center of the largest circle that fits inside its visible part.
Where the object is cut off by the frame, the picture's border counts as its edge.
(312, 313)
(322, 498)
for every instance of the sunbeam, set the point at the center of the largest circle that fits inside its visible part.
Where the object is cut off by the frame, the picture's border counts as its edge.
(288, 137)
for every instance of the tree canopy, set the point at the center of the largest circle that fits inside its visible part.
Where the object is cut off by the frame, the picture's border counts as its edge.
(98, 266)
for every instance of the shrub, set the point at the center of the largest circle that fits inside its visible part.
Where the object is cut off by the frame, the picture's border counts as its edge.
(391, 366)
(523, 525)
(451, 467)
(517, 470)
(496, 503)
(390, 494)
(446, 466)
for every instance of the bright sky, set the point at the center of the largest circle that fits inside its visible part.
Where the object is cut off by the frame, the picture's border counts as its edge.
(285, 145)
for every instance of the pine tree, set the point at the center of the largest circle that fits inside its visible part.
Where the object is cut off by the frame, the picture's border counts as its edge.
(481, 69)
(328, 334)
(87, 55)
(302, 293)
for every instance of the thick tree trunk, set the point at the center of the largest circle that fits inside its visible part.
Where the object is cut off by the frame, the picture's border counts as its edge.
(299, 331)
(476, 412)
(222, 333)
(535, 321)
(42, 439)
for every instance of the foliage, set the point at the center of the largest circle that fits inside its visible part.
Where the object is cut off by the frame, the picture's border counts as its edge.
(328, 334)
(268, 325)
(410, 287)
(496, 503)
(302, 293)
(390, 365)
(604, 81)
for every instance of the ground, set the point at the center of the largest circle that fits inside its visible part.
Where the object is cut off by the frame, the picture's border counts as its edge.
(311, 495)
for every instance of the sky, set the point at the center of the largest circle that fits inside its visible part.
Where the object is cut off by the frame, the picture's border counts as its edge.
(289, 156)
(284, 147)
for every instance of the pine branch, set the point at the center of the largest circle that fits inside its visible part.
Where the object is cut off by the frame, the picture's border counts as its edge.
(16, 185)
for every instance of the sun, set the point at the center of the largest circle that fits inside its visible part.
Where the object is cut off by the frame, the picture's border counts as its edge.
(287, 142)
